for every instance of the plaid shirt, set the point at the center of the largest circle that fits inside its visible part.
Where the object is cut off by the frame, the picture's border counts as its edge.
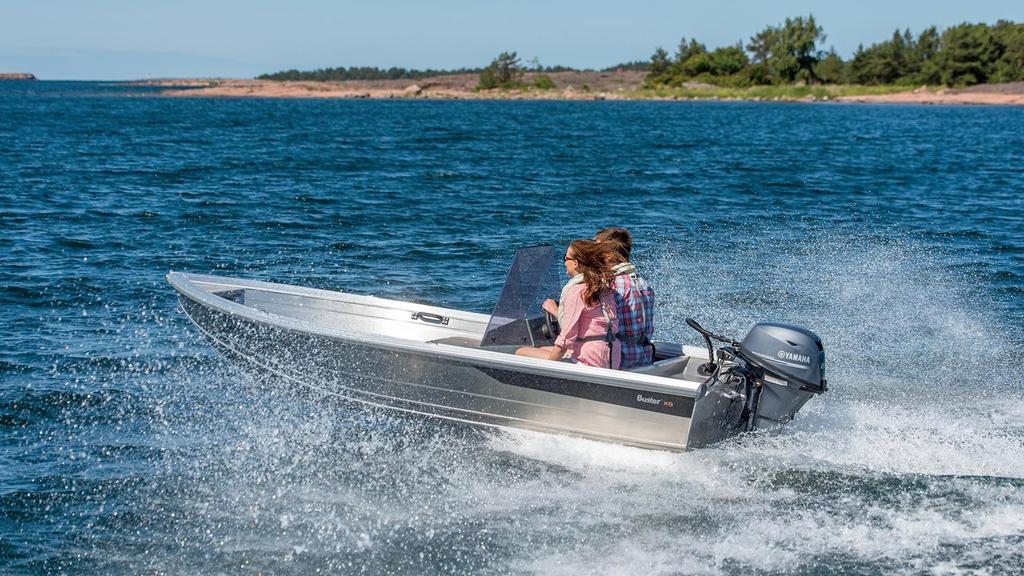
(635, 302)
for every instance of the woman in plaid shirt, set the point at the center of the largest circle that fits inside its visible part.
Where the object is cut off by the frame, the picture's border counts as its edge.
(634, 300)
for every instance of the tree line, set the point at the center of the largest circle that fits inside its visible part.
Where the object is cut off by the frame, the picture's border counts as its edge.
(790, 52)
(507, 62)
(361, 73)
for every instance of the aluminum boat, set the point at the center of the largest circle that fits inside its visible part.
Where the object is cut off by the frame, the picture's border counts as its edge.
(461, 365)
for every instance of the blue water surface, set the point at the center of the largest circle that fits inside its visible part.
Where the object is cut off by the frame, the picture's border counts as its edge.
(128, 446)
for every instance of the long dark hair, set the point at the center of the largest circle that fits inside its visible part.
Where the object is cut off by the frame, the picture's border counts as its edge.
(592, 259)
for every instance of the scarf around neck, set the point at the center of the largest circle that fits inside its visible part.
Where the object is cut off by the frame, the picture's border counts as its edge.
(624, 268)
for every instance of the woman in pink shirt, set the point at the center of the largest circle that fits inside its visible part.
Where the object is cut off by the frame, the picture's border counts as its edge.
(586, 312)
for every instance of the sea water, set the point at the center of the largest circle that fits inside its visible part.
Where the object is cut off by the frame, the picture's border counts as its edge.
(127, 445)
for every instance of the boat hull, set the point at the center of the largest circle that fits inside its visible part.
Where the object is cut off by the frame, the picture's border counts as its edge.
(437, 385)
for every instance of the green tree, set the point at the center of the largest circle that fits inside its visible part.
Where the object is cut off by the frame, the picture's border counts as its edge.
(687, 50)
(969, 52)
(831, 69)
(505, 71)
(926, 51)
(762, 45)
(660, 64)
(910, 56)
(789, 52)
(800, 42)
(891, 62)
(755, 74)
(1010, 66)
(927, 44)
(728, 60)
(696, 65)
(892, 59)
(691, 60)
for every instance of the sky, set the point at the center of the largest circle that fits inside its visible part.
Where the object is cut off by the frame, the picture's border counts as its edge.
(135, 39)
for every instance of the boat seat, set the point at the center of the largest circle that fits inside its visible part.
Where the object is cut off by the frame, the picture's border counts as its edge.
(666, 367)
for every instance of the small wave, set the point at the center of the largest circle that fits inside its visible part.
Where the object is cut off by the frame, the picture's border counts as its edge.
(36, 407)
(321, 200)
(76, 243)
(68, 291)
(25, 295)
(444, 175)
(8, 367)
(291, 224)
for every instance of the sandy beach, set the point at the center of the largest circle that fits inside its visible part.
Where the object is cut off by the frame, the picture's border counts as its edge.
(1004, 94)
(616, 85)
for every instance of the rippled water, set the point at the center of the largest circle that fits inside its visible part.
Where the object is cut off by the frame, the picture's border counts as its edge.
(129, 446)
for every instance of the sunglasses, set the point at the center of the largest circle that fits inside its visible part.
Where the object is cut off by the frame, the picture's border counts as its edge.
(566, 259)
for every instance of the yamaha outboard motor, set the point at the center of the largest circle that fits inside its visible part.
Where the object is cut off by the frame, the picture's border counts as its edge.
(793, 361)
(764, 379)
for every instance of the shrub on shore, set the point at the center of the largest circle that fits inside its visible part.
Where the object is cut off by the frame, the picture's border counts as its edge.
(543, 82)
(505, 71)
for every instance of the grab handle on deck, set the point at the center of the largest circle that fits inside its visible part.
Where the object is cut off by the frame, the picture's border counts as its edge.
(430, 317)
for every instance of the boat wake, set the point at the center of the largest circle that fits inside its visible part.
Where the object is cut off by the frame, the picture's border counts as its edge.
(915, 464)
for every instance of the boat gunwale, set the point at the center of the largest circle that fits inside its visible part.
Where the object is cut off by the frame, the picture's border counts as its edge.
(188, 285)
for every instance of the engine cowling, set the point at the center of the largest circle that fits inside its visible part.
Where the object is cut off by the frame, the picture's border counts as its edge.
(787, 352)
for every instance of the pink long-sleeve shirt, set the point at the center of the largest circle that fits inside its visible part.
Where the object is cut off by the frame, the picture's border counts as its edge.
(580, 320)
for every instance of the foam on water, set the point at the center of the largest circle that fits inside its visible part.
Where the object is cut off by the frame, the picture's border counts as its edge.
(719, 511)
(899, 439)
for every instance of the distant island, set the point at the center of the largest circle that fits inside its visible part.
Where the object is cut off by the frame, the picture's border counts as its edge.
(785, 54)
(965, 64)
(16, 76)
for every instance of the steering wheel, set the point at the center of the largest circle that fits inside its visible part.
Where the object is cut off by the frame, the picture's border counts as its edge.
(551, 327)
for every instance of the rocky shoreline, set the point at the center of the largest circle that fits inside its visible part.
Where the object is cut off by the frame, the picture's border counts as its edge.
(568, 86)
(621, 85)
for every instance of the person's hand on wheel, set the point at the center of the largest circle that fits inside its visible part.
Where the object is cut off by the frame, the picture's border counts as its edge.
(551, 307)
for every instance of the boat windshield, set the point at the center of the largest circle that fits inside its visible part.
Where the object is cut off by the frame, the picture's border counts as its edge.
(532, 278)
